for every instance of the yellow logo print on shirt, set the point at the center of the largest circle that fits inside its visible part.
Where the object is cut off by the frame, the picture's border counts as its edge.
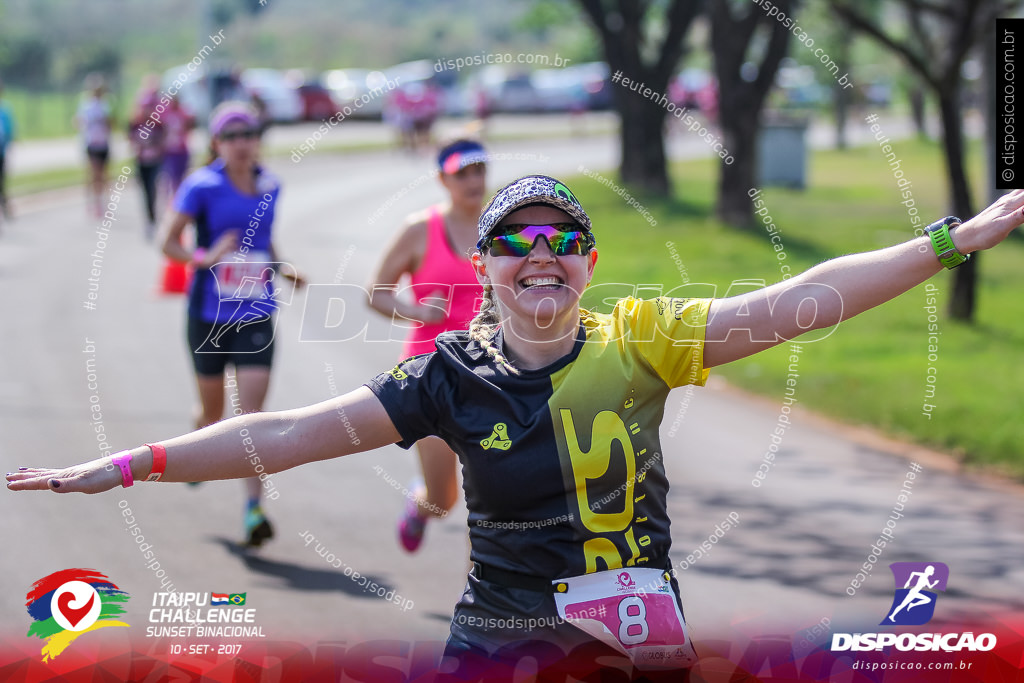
(498, 438)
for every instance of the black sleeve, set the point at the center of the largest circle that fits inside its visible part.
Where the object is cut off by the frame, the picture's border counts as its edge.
(411, 393)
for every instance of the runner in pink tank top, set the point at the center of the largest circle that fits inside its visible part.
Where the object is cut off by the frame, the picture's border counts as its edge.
(445, 279)
(432, 254)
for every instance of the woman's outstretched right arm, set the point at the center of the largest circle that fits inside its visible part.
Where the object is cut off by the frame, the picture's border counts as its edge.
(230, 449)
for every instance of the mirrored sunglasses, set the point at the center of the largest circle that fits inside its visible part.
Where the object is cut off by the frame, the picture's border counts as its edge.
(517, 239)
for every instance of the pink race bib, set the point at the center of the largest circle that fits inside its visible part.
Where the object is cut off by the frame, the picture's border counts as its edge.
(633, 610)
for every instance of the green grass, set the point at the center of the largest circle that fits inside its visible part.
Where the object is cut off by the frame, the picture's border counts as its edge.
(50, 115)
(27, 183)
(872, 369)
(54, 179)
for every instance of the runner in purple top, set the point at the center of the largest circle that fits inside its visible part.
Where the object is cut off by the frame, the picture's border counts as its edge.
(177, 122)
(147, 135)
(232, 298)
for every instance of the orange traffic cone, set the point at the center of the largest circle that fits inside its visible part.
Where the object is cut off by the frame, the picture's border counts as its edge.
(175, 278)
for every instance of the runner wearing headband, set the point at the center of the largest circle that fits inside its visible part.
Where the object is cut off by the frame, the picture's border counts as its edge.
(232, 202)
(433, 252)
(554, 412)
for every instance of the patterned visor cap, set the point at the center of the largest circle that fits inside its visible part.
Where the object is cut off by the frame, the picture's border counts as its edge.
(531, 189)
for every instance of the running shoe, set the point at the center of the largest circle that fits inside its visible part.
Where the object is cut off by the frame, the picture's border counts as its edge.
(411, 526)
(257, 528)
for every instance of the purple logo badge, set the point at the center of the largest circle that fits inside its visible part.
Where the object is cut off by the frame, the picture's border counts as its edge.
(917, 584)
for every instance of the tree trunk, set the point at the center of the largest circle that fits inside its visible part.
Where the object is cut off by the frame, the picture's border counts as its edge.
(644, 163)
(917, 111)
(961, 304)
(628, 51)
(740, 128)
(741, 100)
(840, 96)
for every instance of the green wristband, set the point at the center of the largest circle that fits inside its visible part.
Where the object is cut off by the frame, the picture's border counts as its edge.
(943, 243)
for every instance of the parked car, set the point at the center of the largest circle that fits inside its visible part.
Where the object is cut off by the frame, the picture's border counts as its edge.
(506, 91)
(317, 103)
(798, 86)
(281, 101)
(695, 89)
(596, 80)
(559, 89)
(407, 75)
(201, 90)
(348, 85)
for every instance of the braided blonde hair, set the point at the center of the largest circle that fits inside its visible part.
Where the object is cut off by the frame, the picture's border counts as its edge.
(483, 326)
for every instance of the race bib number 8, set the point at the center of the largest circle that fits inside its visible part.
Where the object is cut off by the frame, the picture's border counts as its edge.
(245, 279)
(632, 610)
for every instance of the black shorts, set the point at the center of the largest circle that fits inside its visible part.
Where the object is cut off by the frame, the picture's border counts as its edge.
(214, 345)
(498, 629)
(98, 152)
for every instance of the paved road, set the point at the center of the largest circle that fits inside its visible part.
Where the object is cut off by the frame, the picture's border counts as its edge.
(41, 155)
(801, 536)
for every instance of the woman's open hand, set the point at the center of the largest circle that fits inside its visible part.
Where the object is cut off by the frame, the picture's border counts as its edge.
(991, 226)
(94, 476)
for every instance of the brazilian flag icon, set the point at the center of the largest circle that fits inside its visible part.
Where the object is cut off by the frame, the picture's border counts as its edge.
(237, 598)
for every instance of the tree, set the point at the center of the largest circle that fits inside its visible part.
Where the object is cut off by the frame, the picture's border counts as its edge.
(942, 34)
(627, 29)
(734, 36)
(104, 58)
(26, 61)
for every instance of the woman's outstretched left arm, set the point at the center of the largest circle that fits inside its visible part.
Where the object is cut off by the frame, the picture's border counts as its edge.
(831, 292)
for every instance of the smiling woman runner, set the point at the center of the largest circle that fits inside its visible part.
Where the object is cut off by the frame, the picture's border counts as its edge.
(554, 412)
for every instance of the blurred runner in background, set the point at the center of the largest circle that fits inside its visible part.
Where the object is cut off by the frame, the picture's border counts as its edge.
(432, 253)
(147, 135)
(232, 298)
(178, 122)
(425, 105)
(6, 135)
(94, 122)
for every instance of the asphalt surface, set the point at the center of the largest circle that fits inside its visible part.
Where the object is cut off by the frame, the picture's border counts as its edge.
(801, 537)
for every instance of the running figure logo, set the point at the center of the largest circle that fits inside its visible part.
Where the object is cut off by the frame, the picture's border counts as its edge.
(914, 603)
(247, 293)
(250, 301)
(498, 438)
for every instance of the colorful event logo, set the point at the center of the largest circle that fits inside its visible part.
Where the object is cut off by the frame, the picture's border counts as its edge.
(914, 603)
(68, 603)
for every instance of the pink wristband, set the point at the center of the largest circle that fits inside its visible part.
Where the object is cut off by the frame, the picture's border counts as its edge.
(124, 461)
(197, 257)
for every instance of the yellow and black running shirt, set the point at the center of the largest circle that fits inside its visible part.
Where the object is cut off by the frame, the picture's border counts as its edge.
(562, 466)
